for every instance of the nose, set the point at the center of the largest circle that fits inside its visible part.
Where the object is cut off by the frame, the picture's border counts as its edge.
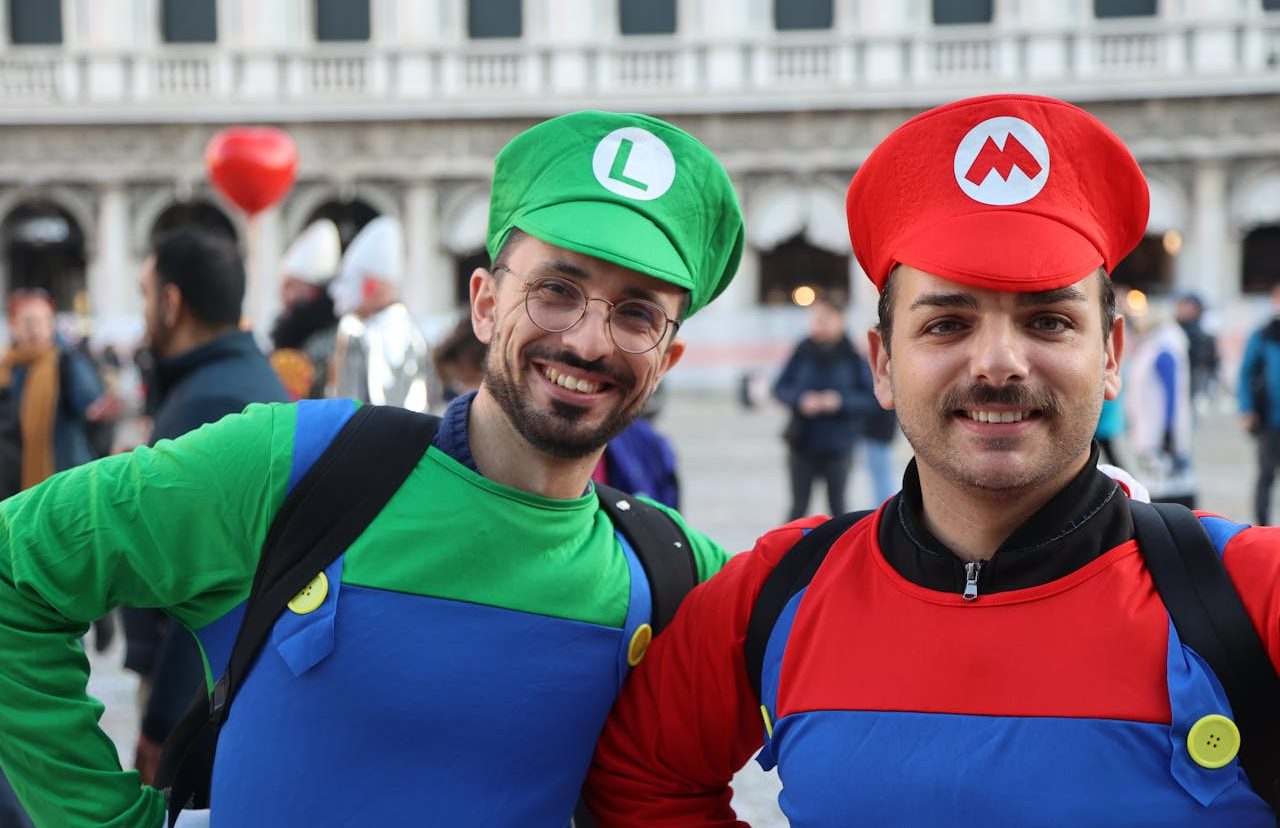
(999, 354)
(589, 339)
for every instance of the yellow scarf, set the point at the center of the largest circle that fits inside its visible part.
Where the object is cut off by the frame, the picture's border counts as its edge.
(36, 409)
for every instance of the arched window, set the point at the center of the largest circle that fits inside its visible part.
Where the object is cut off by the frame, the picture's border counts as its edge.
(35, 22)
(464, 266)
(791, 15)
(795, 264)
(189, 21)
(342, 20)
(1260, 260)
(1124, 8)
(961, 12)
(201, 214)
(1149, 268)
(646, 17)
(44, 248)
(494, 18)
(349, 216)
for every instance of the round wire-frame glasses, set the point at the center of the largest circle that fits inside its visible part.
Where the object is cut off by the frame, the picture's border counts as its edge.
(636, 326)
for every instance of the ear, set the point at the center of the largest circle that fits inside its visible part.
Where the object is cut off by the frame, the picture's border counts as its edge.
(170, 304)
(1113, 353)
(669, 359)
(878, 356)
(484, 304)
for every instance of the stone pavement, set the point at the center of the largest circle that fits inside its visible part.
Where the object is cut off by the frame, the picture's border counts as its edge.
(734, 487)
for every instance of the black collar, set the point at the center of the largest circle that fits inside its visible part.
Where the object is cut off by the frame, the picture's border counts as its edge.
(1079, 524)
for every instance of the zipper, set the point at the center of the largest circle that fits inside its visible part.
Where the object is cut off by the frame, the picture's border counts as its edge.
(971, 570)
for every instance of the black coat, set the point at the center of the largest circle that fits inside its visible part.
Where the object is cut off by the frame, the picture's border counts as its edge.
(201, 386)
(837, 367)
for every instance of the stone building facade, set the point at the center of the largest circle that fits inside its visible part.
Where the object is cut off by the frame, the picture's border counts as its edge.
(398, 107)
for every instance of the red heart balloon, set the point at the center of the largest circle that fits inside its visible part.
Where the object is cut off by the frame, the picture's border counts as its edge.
(252, 166)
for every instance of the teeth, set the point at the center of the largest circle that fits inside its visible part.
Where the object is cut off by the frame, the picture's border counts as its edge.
(572, 383)
(997, 416)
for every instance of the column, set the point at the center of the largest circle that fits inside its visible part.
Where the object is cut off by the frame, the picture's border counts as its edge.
(112, 282)
(428, 286)
(1201, 268)
(263, 249)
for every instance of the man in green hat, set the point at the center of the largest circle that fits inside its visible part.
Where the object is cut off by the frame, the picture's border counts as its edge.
(455, 664)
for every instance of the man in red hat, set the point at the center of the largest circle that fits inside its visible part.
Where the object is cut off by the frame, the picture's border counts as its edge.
(988, 647)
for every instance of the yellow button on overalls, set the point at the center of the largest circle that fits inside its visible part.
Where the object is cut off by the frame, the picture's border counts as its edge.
(639, 644)
(311, 596)
(1213, 741)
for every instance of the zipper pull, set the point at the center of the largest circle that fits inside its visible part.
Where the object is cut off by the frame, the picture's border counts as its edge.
(971, 570)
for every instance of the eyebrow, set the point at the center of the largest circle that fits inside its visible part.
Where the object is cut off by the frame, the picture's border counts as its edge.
(959, 299)
(560, 267)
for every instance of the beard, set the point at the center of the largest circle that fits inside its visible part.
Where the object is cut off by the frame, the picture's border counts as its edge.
(559, 431)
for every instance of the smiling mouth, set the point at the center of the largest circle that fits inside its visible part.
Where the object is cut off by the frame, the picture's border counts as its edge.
(1001, 417)
(572, 383)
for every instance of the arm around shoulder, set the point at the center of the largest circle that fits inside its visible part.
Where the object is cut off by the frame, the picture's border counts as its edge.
(687, 719)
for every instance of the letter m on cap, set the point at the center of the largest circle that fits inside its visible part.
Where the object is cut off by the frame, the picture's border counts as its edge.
(991, 157)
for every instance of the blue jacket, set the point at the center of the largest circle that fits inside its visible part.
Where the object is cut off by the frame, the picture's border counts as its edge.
(640, 461)
(815, 367)
(1261, 362)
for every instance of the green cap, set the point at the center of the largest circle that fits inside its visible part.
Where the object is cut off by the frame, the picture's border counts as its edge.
(630, 189)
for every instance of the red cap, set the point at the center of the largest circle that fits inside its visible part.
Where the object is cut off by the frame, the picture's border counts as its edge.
(1006, 192)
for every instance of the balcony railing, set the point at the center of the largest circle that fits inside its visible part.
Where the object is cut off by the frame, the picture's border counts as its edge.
(1115, 59)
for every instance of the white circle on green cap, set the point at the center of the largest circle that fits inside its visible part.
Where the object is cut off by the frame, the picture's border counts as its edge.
(634, 164)
(1002, 161)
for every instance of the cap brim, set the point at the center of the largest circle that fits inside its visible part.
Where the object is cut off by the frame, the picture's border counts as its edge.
(1001, 250)
(611, 232)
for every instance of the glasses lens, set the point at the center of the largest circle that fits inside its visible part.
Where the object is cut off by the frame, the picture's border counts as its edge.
(554, 304)
(637, 325)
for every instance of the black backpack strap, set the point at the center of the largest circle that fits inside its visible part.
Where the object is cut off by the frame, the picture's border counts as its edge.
(660, 544)
(789, 576)
(1211, 619)
(333, 503)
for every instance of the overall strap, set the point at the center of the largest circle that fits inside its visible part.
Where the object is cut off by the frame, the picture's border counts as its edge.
(793, 573)
(661, 546)
(1211, 619)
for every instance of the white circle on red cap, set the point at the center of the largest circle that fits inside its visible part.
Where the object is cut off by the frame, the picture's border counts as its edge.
(1002, 161)
(634, 163)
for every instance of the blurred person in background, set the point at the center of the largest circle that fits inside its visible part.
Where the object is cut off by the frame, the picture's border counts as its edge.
(49, 394)
(304, 332)
(826, 384)
(380, 356)
(193, 286)
(1202, 347)
(1258, 390)
(1158, 405)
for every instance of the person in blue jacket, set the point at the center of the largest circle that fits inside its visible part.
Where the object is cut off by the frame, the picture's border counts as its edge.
(1259, 395)
(828, 392)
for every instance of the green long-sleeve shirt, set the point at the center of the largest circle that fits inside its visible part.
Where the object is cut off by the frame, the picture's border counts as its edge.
(179, 526)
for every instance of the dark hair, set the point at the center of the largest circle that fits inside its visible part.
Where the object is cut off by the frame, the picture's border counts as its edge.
(1106, 298)
(208, 271)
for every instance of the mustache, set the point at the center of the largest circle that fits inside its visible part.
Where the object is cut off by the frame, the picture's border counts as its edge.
(595, 366)
(1013, 396)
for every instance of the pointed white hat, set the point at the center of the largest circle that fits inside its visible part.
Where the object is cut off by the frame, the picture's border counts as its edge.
(314, 256)
(376, 251)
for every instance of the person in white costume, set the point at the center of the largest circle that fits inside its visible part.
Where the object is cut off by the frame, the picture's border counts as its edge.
(381, 355)
(303, 334)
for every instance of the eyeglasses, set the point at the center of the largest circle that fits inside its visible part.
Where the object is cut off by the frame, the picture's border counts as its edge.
(554, 305)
